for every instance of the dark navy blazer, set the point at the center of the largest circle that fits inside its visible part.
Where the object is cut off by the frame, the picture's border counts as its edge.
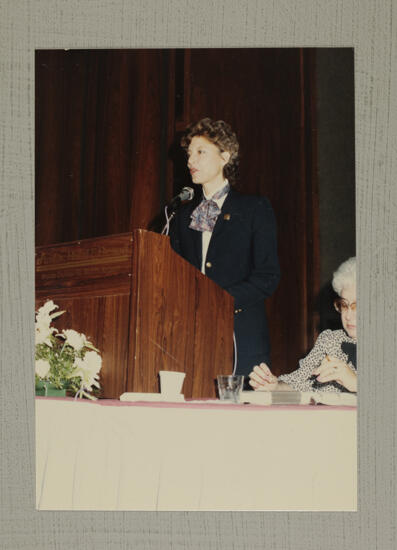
(242, 259)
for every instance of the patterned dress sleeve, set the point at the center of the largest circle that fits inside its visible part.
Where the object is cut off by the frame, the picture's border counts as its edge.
(301, 379)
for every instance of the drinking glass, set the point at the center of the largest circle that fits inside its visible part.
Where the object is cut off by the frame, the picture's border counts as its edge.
(230, 387)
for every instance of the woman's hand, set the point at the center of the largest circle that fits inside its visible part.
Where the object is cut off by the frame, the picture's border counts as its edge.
(333, 369)
(262, 379)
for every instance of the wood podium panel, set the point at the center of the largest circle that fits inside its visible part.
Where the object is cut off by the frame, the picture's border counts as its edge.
(91, 281)
(180, 320)
(143, 306)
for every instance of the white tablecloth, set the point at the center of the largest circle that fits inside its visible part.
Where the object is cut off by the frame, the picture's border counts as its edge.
(92, 456)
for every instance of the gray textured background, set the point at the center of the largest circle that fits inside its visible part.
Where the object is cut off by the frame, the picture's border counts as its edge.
(369, 26)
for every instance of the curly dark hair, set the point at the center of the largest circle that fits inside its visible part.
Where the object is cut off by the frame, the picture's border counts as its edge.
(220, 134)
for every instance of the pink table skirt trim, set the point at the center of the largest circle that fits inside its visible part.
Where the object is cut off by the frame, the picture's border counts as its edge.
(203, 405)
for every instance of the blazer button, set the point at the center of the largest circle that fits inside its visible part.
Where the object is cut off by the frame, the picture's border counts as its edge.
(208, 264)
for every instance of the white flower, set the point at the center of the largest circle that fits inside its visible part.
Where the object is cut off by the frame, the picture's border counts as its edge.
(42, 368)
(88, 370)
(45, 311)
(46, 308)
(43, 330)
(43, 333)
(76, 340)
(85, 370)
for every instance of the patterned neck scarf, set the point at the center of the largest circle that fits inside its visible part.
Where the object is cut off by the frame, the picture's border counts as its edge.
(204, 216)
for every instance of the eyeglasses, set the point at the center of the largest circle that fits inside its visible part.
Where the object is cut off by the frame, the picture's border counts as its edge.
(342, 306)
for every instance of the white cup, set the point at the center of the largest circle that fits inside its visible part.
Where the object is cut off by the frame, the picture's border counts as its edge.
(171, 382)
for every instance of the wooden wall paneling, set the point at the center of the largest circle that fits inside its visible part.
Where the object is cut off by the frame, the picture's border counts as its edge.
(99, 138)
(90, 154)
(70, 176)
(310, 140)
(171, 118)
(110, 209)
(66, 126)
(128, 130)
(289, 307)
(47, 207)
(146, 143)
(61, 104)
(50, 123)
(178, 174)
(182, 76)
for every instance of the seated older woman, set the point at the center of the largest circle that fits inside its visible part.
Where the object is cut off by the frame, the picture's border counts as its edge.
(330, 366)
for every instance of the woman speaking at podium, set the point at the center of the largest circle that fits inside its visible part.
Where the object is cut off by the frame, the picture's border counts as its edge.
(230, 237)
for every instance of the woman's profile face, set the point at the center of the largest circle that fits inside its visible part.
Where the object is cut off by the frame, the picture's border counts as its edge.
(205, 161)
(348, 310)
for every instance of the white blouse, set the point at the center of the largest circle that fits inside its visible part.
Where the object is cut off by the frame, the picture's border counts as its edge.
(206, 235)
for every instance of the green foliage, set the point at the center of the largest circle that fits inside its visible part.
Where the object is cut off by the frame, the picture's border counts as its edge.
(61, 358)
(65, 353)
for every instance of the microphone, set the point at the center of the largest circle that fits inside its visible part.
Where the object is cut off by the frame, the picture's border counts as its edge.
(186, 194)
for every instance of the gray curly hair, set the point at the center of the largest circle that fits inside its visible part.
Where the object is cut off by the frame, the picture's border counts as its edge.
(345, 275)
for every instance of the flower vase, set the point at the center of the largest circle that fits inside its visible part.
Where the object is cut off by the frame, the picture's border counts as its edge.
(46, 389)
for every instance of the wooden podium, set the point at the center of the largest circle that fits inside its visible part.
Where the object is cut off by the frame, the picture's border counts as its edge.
(143, 306)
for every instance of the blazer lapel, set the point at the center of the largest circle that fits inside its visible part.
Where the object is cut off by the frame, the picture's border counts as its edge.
(225, 217)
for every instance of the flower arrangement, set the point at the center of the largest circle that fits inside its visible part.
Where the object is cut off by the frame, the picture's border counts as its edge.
(66, 359)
